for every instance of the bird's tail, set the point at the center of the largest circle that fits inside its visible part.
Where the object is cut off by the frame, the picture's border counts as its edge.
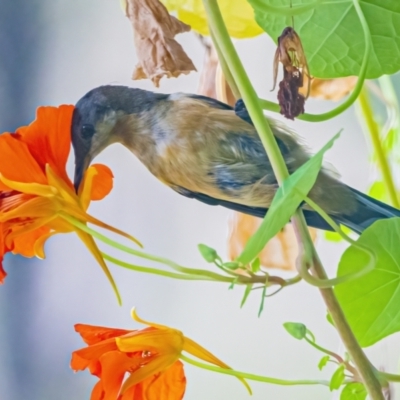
(368, 211)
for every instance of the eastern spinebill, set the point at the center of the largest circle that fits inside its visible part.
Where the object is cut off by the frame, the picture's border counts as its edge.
(207, 150)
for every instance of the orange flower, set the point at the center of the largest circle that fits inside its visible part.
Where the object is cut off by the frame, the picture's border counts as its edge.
(37, 196)
(150, 356)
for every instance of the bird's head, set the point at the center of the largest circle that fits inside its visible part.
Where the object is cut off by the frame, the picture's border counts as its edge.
(95, 122)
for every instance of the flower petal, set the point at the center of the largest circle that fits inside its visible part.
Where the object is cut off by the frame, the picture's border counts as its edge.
(82, 358)
(198, 351)
(97, 392)
(142, 321)
(114, 365)
(169, 385)
(24, 243)
(29, 188)
(103, 225)
(92, 334)
(161, 341)
(102, 182)
(49, 137)
(15, 152)
(38, 248)
(156, 365)
(37, 207)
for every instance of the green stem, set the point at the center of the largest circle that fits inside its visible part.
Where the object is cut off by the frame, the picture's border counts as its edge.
(247, 91)
(268, 105)
(373, 130)
(389, 377)
(338, 359)
(126, 249)
(156, 271)
(184, 272)
(326, 351)
(225, 68)
(252, 377)
(250, 98)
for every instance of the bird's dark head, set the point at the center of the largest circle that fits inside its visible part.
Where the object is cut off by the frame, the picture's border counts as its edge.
(95, 121)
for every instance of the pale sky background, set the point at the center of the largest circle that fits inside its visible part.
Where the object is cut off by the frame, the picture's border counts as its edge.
(82, 45)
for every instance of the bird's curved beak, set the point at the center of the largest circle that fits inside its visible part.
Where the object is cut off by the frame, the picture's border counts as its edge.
(81, 165)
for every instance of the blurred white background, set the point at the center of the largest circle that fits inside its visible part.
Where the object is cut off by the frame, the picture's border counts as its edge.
(76, 46)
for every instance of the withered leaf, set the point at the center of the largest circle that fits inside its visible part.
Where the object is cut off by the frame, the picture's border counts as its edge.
(291, 55)
(158, 52)
(289, 98)
(212, 82)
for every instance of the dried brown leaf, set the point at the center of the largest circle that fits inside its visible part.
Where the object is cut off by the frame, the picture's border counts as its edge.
(331, 89)
(281, 251)
(207, 80)
(289, 98)
(212, 82)
(291, 55)
(158, 52)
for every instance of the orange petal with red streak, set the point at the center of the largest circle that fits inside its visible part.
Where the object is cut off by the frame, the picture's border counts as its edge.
(49, 137)
(169, 385)
(14, 153)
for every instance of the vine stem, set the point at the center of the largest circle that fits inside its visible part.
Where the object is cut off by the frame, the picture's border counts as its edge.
(372, 129)
(217, 26)
(253, 377)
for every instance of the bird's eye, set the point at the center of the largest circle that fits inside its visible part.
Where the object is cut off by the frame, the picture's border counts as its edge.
(87, 131)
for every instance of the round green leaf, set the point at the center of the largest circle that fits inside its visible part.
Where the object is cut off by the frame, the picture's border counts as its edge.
(322, 362)
(337, 378)
(354, 391)
(372, 303)
(333, 39)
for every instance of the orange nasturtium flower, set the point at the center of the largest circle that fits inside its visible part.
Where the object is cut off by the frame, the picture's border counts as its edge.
(36, 193)
(149, 356)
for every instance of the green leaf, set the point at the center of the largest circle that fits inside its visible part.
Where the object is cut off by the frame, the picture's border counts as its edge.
(287, 199)
(247, 291)
(231, 265)
(337, 378)
(296, 329)
(261, 309)
(332, 36)
(233, 283)
(255, 265)
(330, 319)
(371, 303)
(209, 254)
(322, 362)
(354, 391)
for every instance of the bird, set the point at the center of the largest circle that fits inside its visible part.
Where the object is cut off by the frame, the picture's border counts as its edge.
(207, 150)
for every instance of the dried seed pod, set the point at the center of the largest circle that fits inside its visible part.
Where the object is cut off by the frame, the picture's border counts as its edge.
(291, 55)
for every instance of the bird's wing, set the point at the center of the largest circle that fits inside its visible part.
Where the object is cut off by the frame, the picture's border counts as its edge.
(211, 102)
